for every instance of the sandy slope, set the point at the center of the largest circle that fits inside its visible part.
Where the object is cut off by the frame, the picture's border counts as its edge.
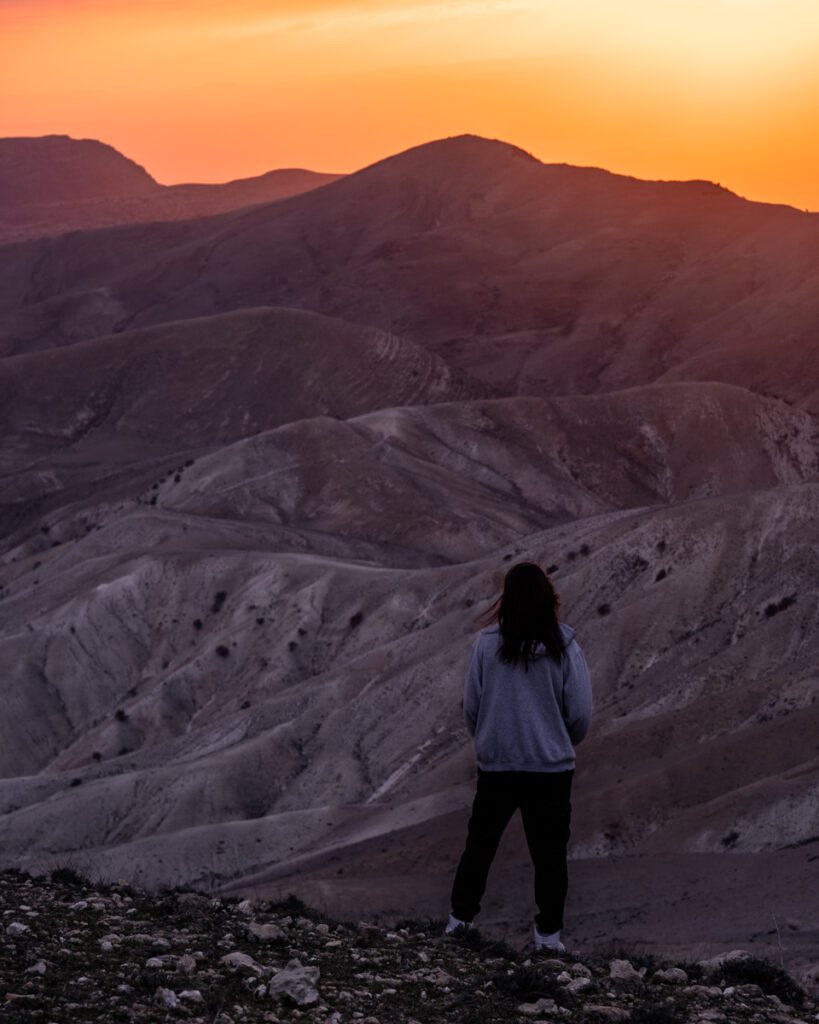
(256, 680)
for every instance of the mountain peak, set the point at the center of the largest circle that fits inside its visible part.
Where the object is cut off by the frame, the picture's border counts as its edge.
(56, 168)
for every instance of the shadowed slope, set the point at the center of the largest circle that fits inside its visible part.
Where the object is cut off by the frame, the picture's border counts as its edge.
(544, 277)
(54, 184)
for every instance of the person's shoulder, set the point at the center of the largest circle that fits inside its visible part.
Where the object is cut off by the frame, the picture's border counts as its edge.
(487, 633)
(567, 632)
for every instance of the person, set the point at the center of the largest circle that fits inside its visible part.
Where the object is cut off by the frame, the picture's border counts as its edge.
(527, 704)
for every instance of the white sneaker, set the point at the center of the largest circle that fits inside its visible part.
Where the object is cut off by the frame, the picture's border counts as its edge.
(551, 941)
(454, 923)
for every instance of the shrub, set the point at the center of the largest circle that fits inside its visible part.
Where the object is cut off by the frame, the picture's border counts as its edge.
(551, 568)
(121, 715)
(603, 609)
(730, 838)
(222, 651)
(97, 756)
(649, 1012)
(661, 575)
(66, 876)
(218, 600)
(356, 619)
(527, 984)
(76, 782)
(779, 606)
(585, 549)
(771, 979)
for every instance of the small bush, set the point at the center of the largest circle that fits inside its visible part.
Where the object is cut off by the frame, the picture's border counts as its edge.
(730, 839)
(527, 984)
(771, 979)
(661, 546)
(97, 756)
(291, 645)
(76, 782)
(603, 609)
(219, 599)
(779, 606)
(121, 715)
(551, 568)
(356, 619)
(222, 651)
(585, 549)
(66, 876)
(650, 1012)
(571, 555)
(260, 621)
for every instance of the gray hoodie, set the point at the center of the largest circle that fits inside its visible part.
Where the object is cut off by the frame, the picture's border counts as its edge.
(526, 721)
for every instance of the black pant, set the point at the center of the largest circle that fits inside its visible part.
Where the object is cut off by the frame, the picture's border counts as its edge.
(544, 799)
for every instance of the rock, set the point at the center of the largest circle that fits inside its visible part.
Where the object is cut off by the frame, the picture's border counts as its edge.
(186, 963)
(622, 970)
(541, 1006)
(245, 907)
(671, 976)
(715, 963)
(191, 995)
(266, 931)
(580, 984)
(79, 905)
(703, 991)
(17, 928)
(296, 982)
(37, 968)
(238, 961)
(605, 1012)
(166, 997)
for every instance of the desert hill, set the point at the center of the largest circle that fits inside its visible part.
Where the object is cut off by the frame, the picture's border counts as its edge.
(54, 184)
(545, 279)
(249, 673)
(215, 379)
(262, 470)
(56, 168)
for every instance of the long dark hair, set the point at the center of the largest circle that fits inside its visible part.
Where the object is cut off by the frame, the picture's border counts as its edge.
(526, 612)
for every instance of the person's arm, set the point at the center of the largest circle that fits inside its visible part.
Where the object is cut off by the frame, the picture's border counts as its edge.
(472, 687)
(577, 694)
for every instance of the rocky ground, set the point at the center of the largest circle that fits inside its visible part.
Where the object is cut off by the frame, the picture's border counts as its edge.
(70, 951)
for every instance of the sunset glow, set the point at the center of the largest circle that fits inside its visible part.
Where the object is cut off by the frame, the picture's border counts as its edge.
(202, 90)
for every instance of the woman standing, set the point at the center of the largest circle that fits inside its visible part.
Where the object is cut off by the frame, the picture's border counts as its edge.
(527, 703)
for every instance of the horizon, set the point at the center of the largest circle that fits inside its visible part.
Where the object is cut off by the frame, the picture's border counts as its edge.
(428, 142)
(713, 90)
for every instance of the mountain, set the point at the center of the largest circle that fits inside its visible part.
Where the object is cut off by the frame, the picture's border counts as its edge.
(57, 168)
(262, 471)
(543, 279)
(54, 184)
(242, 669)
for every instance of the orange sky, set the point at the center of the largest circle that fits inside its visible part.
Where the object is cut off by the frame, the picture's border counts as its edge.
(204, 90)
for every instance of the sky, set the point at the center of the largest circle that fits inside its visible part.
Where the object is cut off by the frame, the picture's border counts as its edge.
(204, 90)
